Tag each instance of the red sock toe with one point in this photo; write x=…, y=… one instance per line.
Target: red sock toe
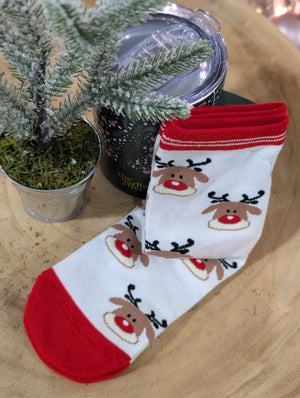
x=64, y=338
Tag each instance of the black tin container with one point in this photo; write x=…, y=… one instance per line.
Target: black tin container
x=128, y=146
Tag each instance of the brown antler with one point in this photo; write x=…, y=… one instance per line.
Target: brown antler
x=195, y=165
x=152, y=246
x=156, y=323
x=183, y=249
x=161, y=165
x=217, y=199
x=130, y=297
x=129, y=224
x=252, y=200
x=226, y=264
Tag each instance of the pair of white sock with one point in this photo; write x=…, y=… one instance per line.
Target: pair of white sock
x=92, y=314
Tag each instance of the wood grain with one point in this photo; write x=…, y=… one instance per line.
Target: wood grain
x=243, y=339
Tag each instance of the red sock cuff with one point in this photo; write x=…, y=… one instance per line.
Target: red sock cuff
x=268, y=107
x=226, y=121
x=174, y=137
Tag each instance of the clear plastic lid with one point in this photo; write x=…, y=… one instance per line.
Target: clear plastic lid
x=171, y=26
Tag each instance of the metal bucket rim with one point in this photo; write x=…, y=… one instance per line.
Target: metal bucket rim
x=45, y=191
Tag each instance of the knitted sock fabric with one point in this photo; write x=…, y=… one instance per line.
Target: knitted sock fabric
x=267, y=108
x=93, y=313
x=211, y=179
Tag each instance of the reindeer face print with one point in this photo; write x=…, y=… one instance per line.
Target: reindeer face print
x=178, y=180
x=232, y=216
x=129, y=322
x=201, y=268
x=125, y=245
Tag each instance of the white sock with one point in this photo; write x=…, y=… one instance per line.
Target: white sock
x=210, y=185
x=93, y=313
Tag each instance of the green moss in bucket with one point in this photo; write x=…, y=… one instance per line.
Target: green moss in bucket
x=69, y=160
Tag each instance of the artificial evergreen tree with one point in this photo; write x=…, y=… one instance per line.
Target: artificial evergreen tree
x=53, y=44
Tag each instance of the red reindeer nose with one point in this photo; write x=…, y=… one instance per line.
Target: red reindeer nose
x=123, y=248
x=124, y=324
x=198, y=263
x=173, y=184
x=229, y=219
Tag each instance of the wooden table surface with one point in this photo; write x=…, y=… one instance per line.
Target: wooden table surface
x=243, y=339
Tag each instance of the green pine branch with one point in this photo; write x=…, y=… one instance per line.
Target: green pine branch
x=140, y=107
x=151, y=70
x=15, y=116
x=25, y=40
x=70, y=21
x=85, y=50
x=70, y=111
x=26, y=43
x=84, y=30
x=125, y=91
x=118, y=14
x=61, y=76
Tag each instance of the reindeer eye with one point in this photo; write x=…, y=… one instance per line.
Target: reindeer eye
x=128, y=315
x=228, y=211
x=234, y=211
x=132, y=246
x=128, y=240
x=172, y=175
x=134, y=320
x=181, y=176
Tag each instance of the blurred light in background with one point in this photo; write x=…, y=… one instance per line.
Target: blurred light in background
x=285, y=14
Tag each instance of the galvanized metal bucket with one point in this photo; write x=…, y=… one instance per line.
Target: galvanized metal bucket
x=57, y=204
x=128, y=146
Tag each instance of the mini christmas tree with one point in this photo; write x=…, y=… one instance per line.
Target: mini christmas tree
x=51, y=44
